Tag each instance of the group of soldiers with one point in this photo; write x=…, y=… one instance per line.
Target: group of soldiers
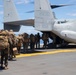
x=12, y=43
x=7, y=43
x=34, y=41
x=28, y=42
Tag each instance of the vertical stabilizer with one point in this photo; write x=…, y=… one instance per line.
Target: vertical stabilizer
x=44, y=18
x=10, y=12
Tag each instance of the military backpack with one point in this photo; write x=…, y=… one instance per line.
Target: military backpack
x=3, y=42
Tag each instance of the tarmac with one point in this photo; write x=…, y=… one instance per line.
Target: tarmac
x=44, y=62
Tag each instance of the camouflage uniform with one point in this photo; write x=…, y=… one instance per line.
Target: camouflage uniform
x=12, y=43
x=4, y=51
x=19, y=43
x=32, y=42
x=25, y=42
x=38, y=42
x=45, y=40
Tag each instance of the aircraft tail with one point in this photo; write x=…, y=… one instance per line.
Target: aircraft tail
x=10, y=12
x=10, y=15
x=44, y=18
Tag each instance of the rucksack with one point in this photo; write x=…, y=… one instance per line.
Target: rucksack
x=3, y=42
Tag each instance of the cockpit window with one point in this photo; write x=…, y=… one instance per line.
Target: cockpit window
x=60, y=22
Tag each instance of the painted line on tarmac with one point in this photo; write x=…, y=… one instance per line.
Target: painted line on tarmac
x=45, y=53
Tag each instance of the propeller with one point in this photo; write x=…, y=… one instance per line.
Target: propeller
x=30, y=11
x=62, y=5
x=32, y=2
x=52, y=6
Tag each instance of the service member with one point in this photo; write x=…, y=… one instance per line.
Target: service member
x=4, y=47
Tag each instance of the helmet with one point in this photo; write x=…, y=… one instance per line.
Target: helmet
x=11, y=32
x=4, y=33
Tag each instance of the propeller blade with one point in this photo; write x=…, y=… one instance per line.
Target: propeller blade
x=53, y=7
x=57, y=6
x=30, y=11
x=32, y=2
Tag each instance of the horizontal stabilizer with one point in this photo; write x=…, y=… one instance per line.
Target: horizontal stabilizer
x=29, y=22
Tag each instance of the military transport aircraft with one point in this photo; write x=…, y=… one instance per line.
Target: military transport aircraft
x=45, y=21
x=59, y=31
x=11, y=17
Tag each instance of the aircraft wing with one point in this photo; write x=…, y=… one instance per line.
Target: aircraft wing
x=28, y=22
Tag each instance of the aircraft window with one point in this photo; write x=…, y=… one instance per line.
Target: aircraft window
x=64, y=21
x=59, y=22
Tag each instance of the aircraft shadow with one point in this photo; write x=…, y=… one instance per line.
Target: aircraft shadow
x=31, y=51
x=50, y=46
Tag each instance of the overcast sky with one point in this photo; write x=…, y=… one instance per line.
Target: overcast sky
x=23, y=6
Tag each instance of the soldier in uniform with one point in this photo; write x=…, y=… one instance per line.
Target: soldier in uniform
x=19, y=43
x=38, y=42
x=45, y=40
x=25, y=42
x=12, y=43
x=4, y=50
x=32, y=42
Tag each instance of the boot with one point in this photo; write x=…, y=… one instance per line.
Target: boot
x=5, y=67
x=2, y=67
